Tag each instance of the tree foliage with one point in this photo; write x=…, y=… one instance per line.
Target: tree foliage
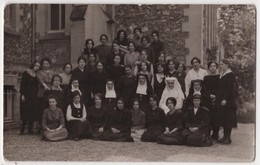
x=237, y=31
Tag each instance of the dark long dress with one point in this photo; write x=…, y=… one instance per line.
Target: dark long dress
x=126, y=88
x=158, y=87
x=201, y=120
x=226, y=115
x=154, y=123
x=173, y=120
x=77, y=128
x=210, y=85
x=181, y=79
x=103, y=52
x=115, y=72
x=29, y=87
x=98, y=82
x=84, y=85
x=97, y=118
x=120, y=120
x=157, y=48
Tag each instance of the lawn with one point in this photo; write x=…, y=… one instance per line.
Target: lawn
x=32, y=148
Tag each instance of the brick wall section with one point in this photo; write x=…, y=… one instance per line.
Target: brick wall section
x=17, y=47
x=167, y=19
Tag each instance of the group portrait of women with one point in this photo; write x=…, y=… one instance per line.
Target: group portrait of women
x=128, y=92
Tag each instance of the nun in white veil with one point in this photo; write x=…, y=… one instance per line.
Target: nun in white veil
x=172, y=89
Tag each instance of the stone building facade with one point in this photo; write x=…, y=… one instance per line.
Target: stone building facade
x=58, y=31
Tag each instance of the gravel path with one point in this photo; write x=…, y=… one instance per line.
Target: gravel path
x=32, y=148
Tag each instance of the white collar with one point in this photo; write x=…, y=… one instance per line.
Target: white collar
x=226, y=72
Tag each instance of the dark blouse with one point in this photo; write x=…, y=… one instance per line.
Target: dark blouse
x=119, y=119
x=103, y=52
x=98, y=82
x=29, y=86
x=150, y=53
x=168, y=74
x=97, y=117
x=127, y=87
x=157, y=48
x=138, y=119
x=115, y=72
x=210, y=84
x=76, y=112
x=159, y=87
x=83, y=78
x=181, y=79
x=110, y=58
x=174, y=120
x=155, y=118
x=59, y=94
x=52, y=118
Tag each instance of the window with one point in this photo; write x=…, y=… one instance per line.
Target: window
x=8, y=103
x=57, y=17
x=9, y=16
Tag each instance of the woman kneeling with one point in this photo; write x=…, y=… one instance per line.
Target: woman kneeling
x=53, y=122
x=174, y=125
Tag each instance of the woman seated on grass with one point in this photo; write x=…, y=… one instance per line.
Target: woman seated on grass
x=138, y=121
x=174, y=125
x=53, y=122
x=154, y=121
x=78, y=126
x=197, y=124
x=118, y=125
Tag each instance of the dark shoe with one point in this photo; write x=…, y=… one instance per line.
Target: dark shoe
x=227, y=141
x=222, y=140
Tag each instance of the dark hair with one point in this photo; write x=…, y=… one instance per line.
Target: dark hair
x=33, y=64
x=128, y=66
x=144, y=37
x=225, y=61
x=212, y=62
x=154, y=96
x=122, y=99
x=146, y=63
x=45, y=59
x=100, y=63
x=172, y=99
x=143, y=50
x=118, y=34
x=75, y=93
x=82, y=58
x=64, y=66
x=51, y=96
x=98, y=95
x=87, y=41
x=131, y=42
x=195, y=58
x=138, y=28
x=135, y=100
x=196, y=81
x=168, y=62
x=53, y=77
x=102, y=36
x=155, y=32
x=181, y=63
x=197, y=96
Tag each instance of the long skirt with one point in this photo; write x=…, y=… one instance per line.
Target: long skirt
x=151, y=134
x=79, y=129
x=199, y=138
x=174, y=138
x=137, y=134
x=97, y=135
x=56, y=135
x=117, y=137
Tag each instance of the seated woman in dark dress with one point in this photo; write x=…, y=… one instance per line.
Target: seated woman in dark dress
x=174, y=125
x=154, y=121
x=53, y=122
x=143, y=91
x=97, y=116
x=197, y=124
x=118, y=125
x=210, y=85
x=110, y=96
x=138, y=122
x=57, y=91
x=78, y=126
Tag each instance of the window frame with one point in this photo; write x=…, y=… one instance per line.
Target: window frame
x=60, y=18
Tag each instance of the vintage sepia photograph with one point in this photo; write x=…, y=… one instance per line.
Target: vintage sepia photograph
x=129, y=82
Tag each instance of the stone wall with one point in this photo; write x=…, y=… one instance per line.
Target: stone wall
x=17, y=46
x=167, y=19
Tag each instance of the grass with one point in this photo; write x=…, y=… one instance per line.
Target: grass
x=32, y=148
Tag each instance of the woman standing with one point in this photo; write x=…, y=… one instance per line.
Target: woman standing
x=91, y=64
x=181, y=74
x=44, y=76
x=28, y=90
x=132, y=56
x=210, y=86
x=146, y=46
x=170, y=69
x=127, y=85
x=158, y=81
x=53, y=122
x=174, y=125
x=225, y=101
x=66, y=76
x=118, y=125
x=143, y=91
x=103, y=50
x=121, y=39
x=78, y=126
x=157, y=45
x=97, y=116
x=154, y=121
x=172, y=89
